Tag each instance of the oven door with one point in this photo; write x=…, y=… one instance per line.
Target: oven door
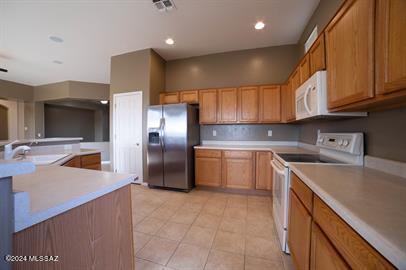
x=280, y=201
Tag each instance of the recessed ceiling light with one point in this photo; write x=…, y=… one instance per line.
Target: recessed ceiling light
x=169, y=41
x=104, y=101
x=259, y=25
x=56, y=39
x=57, y=62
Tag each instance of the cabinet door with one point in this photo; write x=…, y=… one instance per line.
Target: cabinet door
x=323, y=254
x=299, y=233
x=317, y=56
x=263, y=176
x=169, y=98
x=208, y=106
x=391, y=46
x=294, y=84
x=191, y=97
x=304, y=69
x=350, y=54
x=73, y=163
x=285, y=104
x=248, y=104
x=270, y=104
x=227, y=105
x=238, y=169
x=208, y=171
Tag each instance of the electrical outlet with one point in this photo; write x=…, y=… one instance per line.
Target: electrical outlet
x=214, y=133
x=270, y=133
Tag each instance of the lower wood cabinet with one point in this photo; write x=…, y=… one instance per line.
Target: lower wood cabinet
x=323, y=254
x=208, y=167
x=91, y=162
x=238, y=169
x=319, y=239
x=299, y=232
x=263, y=170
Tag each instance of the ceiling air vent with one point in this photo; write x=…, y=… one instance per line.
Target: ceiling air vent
x=164, y=5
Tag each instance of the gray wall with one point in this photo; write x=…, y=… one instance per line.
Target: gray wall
x=63, y=121
x=280, y=132
x=237, y=68
x=385, y=132
x=16, y=91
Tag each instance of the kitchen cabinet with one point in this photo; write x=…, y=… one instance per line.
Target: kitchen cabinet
x=238, y=169
x=391, y=46
x=248, y=110
x=289, y=100
x=318, y=238
x=190, y=96
x=169, y=98
x=304, y=69
x=208, y=167
x=323, y=254
x=208, y=106
x=270, y=104
x=350, y=54
x=263, y=172
x=91, y=162
x=299, y=232
x=317, y=56
x=227, y=109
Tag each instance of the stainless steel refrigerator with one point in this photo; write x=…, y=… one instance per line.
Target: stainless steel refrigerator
x=173, y=130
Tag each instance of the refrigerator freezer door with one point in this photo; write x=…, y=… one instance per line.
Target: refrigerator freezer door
x=175, y=145
x=155, y=154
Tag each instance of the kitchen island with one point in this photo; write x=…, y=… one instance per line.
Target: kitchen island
x=76, y=218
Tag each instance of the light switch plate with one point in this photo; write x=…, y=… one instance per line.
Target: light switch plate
x=214, y=133
x=270, y=133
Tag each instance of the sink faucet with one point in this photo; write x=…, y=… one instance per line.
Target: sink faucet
x=9, y=153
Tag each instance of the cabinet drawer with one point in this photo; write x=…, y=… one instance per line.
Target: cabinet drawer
x=90, y=160
x=208, y=153
x=238, y=154
x=352, y=247
x=302, y=191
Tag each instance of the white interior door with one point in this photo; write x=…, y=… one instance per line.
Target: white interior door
x=127, y=133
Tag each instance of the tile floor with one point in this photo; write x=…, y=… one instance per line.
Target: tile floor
x=204, y=230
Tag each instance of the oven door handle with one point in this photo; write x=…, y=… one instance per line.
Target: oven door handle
x=277, y=168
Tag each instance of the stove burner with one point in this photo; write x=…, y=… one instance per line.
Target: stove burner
x=307, y=158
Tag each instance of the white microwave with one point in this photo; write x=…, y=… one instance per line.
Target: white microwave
x=311, y=99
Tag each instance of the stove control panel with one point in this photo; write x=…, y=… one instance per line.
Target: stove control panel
x=352, y=143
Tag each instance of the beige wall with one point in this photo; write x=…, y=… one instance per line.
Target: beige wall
x=16, y=91
x=72, y=90
x=51, y=91
x=137, y=71
x=247, y=67
x=321, y=16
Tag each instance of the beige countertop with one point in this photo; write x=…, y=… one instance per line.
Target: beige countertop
x=373, y=203
x=52, y=190
x=273, y=148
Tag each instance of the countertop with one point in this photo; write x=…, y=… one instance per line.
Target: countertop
x=44, y=140
x=52, y=190
x=72, y=154
x=272, y=148
x=11, y=167
x=370, y=201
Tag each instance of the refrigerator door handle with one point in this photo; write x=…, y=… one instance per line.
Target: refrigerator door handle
x=162, y=131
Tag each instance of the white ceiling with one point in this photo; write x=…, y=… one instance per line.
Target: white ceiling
x=95, y=30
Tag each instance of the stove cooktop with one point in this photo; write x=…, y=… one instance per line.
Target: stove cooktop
x=307, y=158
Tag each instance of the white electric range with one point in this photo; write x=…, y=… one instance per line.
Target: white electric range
x=335, y=148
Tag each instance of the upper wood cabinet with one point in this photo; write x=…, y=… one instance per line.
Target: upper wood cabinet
x=263, y=172
x=248, y=111
x=350, y=53
x=317, y=56
x=169, y=98
x=269, y=104
x=208, y=106
x=238, y=169
x=208, y=167
x=190, y=96
x=304, y=69
x=323, y=254
x=293, y=84
x=227, y=110
x=391, y=46
x=299, y=232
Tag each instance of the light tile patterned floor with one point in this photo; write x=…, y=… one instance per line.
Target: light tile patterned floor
x=204, y=230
